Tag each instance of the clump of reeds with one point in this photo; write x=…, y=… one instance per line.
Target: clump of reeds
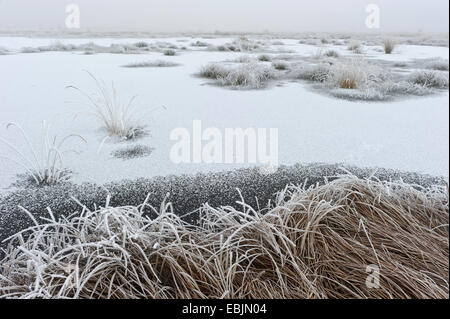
x=388, y=46
x=118, y=118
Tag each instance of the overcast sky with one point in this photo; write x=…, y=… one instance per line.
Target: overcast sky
x=228, y=15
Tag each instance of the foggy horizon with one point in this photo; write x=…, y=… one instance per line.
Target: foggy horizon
x=172, y=16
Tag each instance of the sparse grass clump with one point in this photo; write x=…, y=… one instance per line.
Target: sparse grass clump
x=430, y=78
x=29, y=50
x=199, y=44
x=213, y=71
x=151, y=64
x=118, y=118
x=405, y=88
x=246, y=76
x=115, y=48
x=354, y=45
x=355, y=74
x=243, y=59
x=280, y=65
x=264, y=58
x=388, y=46
x=400, y=64
x=141, y=44
x=318, y=242
x=241, y=44
x=332, y=54
x=316, y=73
x=357, y=79
x=347, y=76
x=46, y=166
x=169, y=52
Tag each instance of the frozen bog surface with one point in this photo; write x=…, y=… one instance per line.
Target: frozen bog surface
x=409, y=134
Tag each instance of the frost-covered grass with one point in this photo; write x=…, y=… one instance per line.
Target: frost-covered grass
x=358, y=79
x=199, y=44
x=296, y=248
x=249, y=76
x=242, y=44
x=44, y=166
x=280, y=65
x=404, y=88
x=264, y=58
x=430, y=78
x=400, y=64
x=332, y=54
x=437, y=64
x=316, y=73
x=115, y=48
x=381, y=92
x=150, y=64
x=118, y=118
x=141, y=44
x=354, y=45
x=354, y=78
x=246, y=76
x=169, y=52
x=355, y=74
x=309, y=41
x=243, y=59
x=213, y=71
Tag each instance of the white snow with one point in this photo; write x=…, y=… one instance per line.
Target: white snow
x=408, y=134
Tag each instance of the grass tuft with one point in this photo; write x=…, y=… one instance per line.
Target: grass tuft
x=47, y=166
x=264, y=58
x=280, y=65
x=169, y=52
x=388, y=46
x=118, y=119
x=438, y=65
x=430, y=78
x=332, y=54
x=354, y=46
x=246, y=76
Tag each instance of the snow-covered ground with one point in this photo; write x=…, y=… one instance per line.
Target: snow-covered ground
x=410, y=134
